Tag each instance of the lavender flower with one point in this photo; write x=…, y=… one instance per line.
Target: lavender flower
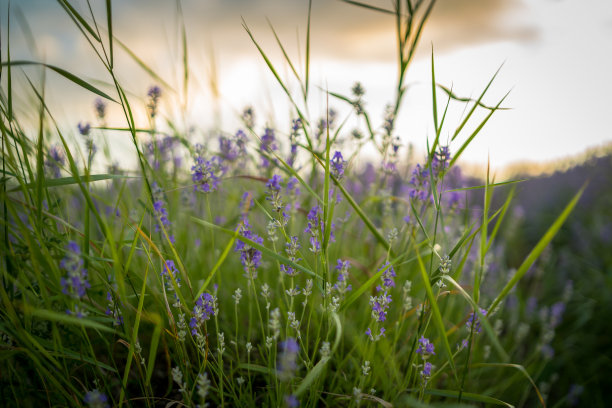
x=96, y=399
x=426, y=348
x=75, y=283
x=387, y=277
x=287, y=360
x=248, y=117
x=249, y=257
x=206, y=174
x=55, y=159
x=338, y=165
x=160, y=211
x=154, y=94
x=291, y=401
x=342, y=286
x=475, y=321
x=84, y=129
x=440, y=160
x=112, y=309
x=203, y=310
x=420, y=183
x=100, y=107
x=268, y=144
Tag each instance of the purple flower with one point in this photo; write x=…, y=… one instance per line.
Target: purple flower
x=204, y=308
x=287, y=360
x=154, y=94
x=425, y=347
x=476, y=322
x=426, y=373
x=206, y=174
x=96, y=399
x=100, y=107
x=387, y=276
x=291, y=401
x=84, y=129
x=75, y=283
x=268, y=144
x=338, y=164
x=249, y=257
x=55, y=159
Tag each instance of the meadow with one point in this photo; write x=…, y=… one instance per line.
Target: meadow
x=270, y=266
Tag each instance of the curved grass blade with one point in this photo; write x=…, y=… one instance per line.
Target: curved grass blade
x=65, y=74
x=66, y=181
x=469, y=396
x=71, y=320
x=522, y=370
x=317, y=370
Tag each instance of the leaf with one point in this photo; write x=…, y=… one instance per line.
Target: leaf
x=66, y=181
x=65, y=74
x=70, y=320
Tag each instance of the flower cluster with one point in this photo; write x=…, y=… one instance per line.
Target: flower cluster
x=440, y=160
x=154, y=94
x=268, y=144
x=342, y=286
x=425, y=350
x=295, y=132
x=231, y=149
x=249, y=257
x=112, y=309
x=206, y=174
x=420, y=183
x=160, y=211
x=75, y=283
x=338, y=165
x=205, y=307
x=160, y=151
x=474, y=321
x=100, y=107
x=291, y=248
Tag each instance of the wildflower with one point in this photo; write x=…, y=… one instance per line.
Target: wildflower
x=267, y=145
x=274, y=187
x=206, y=174
x=75, y=283
x=338, y=165
x=420, y=183
x=365, y=368
x=55, y=159
x=440, y=160
x=325, y=349
x=249, y=257
x=426, y=348
x=342, y=286
x=84, y=129
x=426, y=373
x=248, y=117
x=291, y=401
x=295, y=130
x=154, y=94
x=96, y=399
x=100, y=107
x=287, y=361
x=204, y=308
x=237, y=295
x=474, y=321
x=113, y=310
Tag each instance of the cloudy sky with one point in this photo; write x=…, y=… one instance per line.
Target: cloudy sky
x=556, y=56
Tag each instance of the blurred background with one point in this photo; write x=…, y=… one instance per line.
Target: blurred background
x=556, y=58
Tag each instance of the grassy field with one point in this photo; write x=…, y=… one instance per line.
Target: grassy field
x=274, y=267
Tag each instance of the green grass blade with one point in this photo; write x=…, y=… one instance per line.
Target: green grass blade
x=143, y=65
x=468, y=396
x=435, y=311
x=109, y=23
x=476, y=131
x=67, y=181
x=72, y=11
x=537, y=250
x=476, y=104
x=70, y=320
x=502, y=183
x=64, y=73
x=218, y=264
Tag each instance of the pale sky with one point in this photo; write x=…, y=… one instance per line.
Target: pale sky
x=557, y=57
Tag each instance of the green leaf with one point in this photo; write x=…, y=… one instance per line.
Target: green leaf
x=65, y=74
x=70, y=320
x=65, y=181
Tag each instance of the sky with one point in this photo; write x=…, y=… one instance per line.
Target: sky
x=555, y=58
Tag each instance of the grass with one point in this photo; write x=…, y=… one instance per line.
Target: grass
x=274, y=272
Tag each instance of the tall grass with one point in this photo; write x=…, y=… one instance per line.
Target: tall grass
x=271, y=269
